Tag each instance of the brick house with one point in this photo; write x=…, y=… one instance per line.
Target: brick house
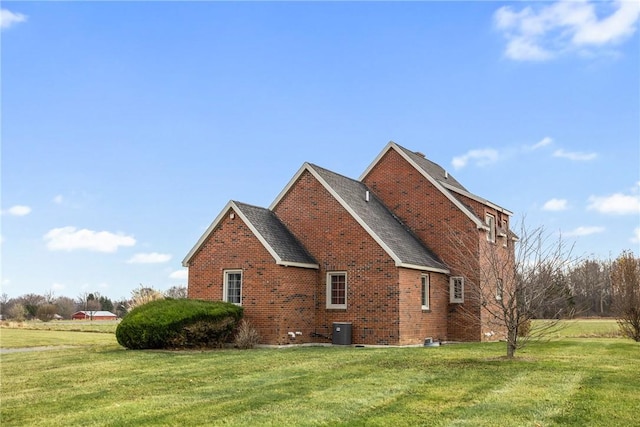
x=381, y=253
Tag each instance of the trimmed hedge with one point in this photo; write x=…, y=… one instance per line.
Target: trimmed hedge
x=178, y=323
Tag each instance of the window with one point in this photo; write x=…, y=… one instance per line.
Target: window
x=426, y=290
x=491, y=222
x=232, y=291
x=336, y=290
x=499, y=289
x=456, y=290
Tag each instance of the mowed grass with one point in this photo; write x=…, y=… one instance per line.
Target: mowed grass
x=569, y=381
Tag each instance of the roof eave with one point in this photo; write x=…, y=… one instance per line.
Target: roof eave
x=423, y=268
x=298, y=264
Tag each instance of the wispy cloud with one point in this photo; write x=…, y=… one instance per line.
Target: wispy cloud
x=636, y=236
x=8, y=18
x=576, y=156
x=542, y=143
x=17, y=210
x=482, y=157
x=584, y=231
x=58, y=199
x=544, y=32
x=615, y=204
x=182, y=274
x=70, y=238
x=149, y=258
x=554, y=205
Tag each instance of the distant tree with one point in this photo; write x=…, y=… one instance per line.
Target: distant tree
x=31, y=302
x=4, y=301
x=46, y=312
x=176, y=292
x=625, y=278
x=88, y=302
x=17, y=312
x=105, y=303
x=513, y=285
x=120, y=307
x=66, y=307
x=590, y=283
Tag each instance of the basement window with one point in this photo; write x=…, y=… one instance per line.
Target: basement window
x=456, y=290
x=337, y=290
x=232, y=290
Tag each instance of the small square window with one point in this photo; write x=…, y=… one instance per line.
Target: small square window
x=456, y=290
x=336, y=290
x=426, y=291
x=232, y=291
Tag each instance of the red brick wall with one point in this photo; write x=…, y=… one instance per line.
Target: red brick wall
x=276, y=299
x=416, y=324
x=339, y=243
x=441, y=226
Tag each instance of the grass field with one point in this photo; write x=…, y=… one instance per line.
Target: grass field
x=566, y=381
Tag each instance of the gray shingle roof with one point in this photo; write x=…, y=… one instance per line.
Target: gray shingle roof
x=276, y=234
x=380, y=221
x=433, y=169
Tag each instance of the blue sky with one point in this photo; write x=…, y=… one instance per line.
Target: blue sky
x=127, y=126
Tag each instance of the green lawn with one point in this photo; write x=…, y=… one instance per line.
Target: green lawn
x=568, y=381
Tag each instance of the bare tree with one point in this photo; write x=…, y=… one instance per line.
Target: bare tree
x=625, y=278
x=509, y=283
x=66, y=307
x=590, y=283
x=176, y=292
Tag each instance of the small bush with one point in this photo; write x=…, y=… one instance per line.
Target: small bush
x=246, y=335
x=178, y=323
x=524, y=329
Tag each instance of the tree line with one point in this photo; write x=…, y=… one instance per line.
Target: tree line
x=49, y=307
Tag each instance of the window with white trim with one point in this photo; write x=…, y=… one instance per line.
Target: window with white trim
x=337, y=290
x=232, y=290
x=456, y=290
x=499, y=289
x=491, y=222
x=426, y=291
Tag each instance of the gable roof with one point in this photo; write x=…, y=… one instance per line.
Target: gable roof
x=395, y=238
x=440, y=179
x=269, y=230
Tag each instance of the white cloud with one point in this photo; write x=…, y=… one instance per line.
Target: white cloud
x=8, y=18
x=576, y=156
x=182, y=274
x=149, y=258
x=584, y=231
x=544, y=32
x=636, y=236
x=18, y=210
x=542, y=143
x=615, y=204
x=555, y=205
x=69, y=239
x=58, y=286
x=58, y=199
x=482, y=157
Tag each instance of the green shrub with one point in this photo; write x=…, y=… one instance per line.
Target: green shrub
x=178, y=323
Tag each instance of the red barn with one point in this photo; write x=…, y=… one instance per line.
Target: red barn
x=94, y=315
